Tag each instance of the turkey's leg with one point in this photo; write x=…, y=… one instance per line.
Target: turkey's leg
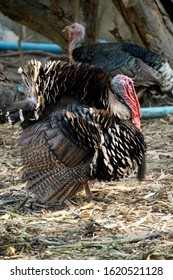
x=89, y=195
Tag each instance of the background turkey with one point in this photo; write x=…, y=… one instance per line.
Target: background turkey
x=78, y=125
x=8, y=92
x=147, y=69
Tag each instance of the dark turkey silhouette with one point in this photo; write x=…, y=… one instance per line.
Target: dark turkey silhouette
x=78, y=125
x=8, y=92
x=146, y=68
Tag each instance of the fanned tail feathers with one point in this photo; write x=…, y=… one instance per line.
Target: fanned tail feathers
x=48, y=83
x=54, y=167
x=30, y=75
x=59, y=184
x=27, y=109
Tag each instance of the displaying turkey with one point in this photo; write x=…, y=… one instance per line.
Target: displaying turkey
x=78, y=125
x=146, y=68
x=8, y=92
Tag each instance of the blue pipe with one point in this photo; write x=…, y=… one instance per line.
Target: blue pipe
x=13, y=46
x=156, y=112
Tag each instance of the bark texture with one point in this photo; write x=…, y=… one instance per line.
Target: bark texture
x=150, y=24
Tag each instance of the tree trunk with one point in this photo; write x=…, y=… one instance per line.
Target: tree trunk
x=150, y=23
x=38, y=17
x=90, y=15
x=49, y=20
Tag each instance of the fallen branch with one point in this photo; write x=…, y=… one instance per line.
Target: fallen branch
x=98, y=243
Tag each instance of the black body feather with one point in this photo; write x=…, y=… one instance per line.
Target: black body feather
x=145, y=67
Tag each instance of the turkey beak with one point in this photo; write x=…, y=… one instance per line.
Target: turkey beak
x=66, y=28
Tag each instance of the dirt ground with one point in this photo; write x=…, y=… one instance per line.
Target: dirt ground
x=132, y=220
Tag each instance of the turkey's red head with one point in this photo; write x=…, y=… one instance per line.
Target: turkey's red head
x=123, y=88
x=76, y=34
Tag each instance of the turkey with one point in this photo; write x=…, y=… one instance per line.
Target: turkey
x=78, y=125
x=146, y=68
x=8, y=92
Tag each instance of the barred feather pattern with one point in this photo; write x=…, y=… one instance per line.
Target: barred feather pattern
x=88, y=83
x=75, y=145
x=115, y=144
x=46, y=84
x=56, y=79
x=55, y=168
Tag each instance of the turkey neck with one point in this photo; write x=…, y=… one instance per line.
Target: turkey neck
x=118, y=108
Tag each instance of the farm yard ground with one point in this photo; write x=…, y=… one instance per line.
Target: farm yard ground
x=132, y=220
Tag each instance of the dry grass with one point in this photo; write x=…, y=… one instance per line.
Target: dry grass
x=132, y=220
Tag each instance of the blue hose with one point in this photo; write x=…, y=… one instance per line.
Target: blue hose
x=156, y=112
x=13, y=46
